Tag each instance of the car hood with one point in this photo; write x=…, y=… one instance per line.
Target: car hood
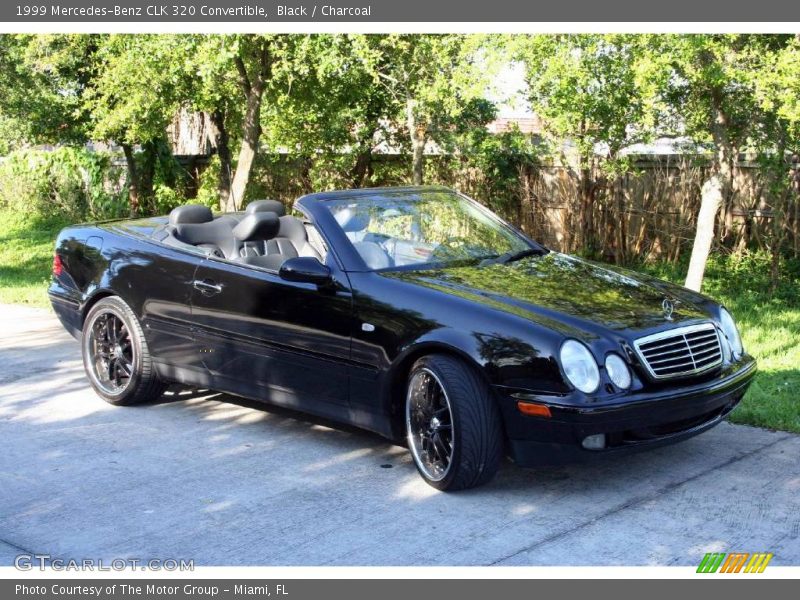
x=567, y=293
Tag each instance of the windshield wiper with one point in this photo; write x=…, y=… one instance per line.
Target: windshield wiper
x=511, y=257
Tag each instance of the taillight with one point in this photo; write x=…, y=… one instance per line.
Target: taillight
x=58, y=266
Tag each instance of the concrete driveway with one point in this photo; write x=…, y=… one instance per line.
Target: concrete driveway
x=225, y=482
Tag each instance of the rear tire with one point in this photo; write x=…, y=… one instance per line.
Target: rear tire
x=116, y=357
x=453, y=424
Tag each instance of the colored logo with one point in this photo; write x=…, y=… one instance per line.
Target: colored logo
x=734, y=562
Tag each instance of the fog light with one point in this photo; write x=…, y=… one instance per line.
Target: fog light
x=618, y=371
x=595, y=442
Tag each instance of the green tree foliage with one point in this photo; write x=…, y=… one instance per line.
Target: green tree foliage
x=42, y=78
x=586, y=90
x=332, y=113
x=133, y=93
x=315, y=106
x=429, y=80
x=706, y=85
x=232, y=78
x=725, y=93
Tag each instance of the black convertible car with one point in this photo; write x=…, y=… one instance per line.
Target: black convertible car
x=412, y=312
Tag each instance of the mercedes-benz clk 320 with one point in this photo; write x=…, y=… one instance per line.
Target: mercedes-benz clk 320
x=412, y=312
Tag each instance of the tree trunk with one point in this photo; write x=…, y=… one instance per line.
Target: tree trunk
x=248, y=151
x=221, y=142
x=147, y=175
x=362, y=170
x=416, y=133
x=306, y=162
x=133, y=179
x=365, y=141
x=715, y=189
x=586, y=185
x=253, y=89
x=710, y=202
x=621, y=230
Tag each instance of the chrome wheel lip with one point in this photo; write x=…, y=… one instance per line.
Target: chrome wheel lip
x=92, y=360
x=411, y=438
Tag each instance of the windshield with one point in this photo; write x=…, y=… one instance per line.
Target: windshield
x=415, y=229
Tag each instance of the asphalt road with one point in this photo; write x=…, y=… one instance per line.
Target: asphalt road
x=225, y=482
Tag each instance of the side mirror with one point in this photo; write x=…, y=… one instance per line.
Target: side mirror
x=305, y=269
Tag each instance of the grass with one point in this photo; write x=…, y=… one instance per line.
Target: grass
x=769, y=319
x=26, y=257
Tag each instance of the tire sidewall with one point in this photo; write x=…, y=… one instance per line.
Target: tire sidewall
x=429, y=364
x=121, y=311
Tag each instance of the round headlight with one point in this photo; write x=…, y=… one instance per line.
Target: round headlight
x=731, y=332
x=618, y=371
x=579, y=366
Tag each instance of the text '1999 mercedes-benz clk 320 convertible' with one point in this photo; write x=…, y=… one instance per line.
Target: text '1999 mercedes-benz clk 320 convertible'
x=412, y=312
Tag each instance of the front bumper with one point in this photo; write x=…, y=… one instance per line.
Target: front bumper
x=633, y=422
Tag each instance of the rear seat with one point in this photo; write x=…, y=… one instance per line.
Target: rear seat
x=190, y=213
x=253, y=231
x=266, y=206
x=215, y=236
x=195, y=224
x=223, y=237
x=259, y=237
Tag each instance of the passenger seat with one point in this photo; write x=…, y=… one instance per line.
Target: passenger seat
x=260, y=206
x=291, y=241
x=225, y=239
x=254, y=230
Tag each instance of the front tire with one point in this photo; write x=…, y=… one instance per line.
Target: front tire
x=452, y=424
x=116, y=356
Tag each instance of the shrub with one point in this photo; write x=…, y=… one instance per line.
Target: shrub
x=70, y=183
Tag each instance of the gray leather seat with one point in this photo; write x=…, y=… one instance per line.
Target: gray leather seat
x=291, y=240
x=373, y=255
x=255, y=229
x=215, y=236
x=266, y=206
x=190, y=213
x=224, y=238
x=355, y=223
x=259, y=236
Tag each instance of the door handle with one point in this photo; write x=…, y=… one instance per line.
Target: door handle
x=206, y=287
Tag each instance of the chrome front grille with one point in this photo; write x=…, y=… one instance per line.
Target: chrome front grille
x=680, y=352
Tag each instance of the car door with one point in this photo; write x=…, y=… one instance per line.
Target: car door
x=156, y=280
x=264, y=337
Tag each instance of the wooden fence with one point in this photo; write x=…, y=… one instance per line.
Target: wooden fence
x=649, y=213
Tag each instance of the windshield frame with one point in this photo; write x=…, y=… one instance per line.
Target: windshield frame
x=326, y=218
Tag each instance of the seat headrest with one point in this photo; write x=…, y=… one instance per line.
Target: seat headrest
x=351, y=220
x=374, y=256
x=213, y=232
x=257, y=226
x=257, y=206
x=293, y=228
x=190, y=213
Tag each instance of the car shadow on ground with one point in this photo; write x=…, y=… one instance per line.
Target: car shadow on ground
x=181, y=393
x=213, y=475
x=344, y=439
